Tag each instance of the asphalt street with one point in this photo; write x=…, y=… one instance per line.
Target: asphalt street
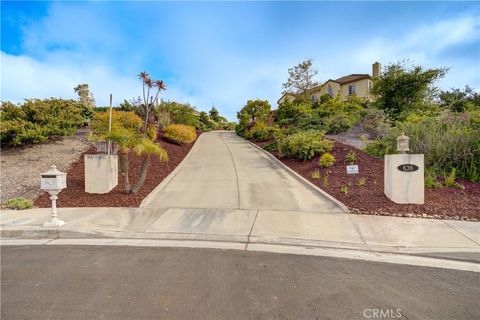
x=93, y=282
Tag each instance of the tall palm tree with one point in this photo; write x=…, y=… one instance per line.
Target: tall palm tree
x=148, y=101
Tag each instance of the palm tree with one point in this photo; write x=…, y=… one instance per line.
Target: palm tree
x=125, y=139
x=148, y=101
x=147, y=147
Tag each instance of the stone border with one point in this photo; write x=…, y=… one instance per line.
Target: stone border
x=301, y=179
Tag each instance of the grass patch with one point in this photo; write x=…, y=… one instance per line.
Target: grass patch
x=17, y=204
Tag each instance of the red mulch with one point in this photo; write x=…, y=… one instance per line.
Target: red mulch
x=370, y=199
x=75, y=196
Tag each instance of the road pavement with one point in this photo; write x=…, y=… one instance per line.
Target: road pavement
x=78, y=282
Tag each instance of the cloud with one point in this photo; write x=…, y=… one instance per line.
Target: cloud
x=429, y=45
x=426, y=41
x=219, y=54
x=24, y=77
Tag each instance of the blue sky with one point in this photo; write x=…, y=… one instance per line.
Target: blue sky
x=224, y=53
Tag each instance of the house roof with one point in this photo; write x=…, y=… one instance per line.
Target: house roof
x=352, y=77
x=284, y=95
x=343, y=80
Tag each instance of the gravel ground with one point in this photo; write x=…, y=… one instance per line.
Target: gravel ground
x=21, y=166
x=350, y=139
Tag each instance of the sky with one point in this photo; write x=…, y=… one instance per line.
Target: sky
x=224, y=53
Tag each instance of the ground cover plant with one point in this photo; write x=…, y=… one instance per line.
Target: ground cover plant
x=17, y=204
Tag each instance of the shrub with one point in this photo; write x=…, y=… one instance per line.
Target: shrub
x=450, y=179
x=338, y=123
x=316, y=174
x=260, y=132
x=180, y=134
x=35, y=120
x=304, y=145
x=17, y=204
x=271, y=146
x=120, y=119
x=351, y=157
x=375, y=124
x=379, y=148
x=361, y=182
x=325, y=179
x=447, y=141
x=326, y=160
x=431, y=181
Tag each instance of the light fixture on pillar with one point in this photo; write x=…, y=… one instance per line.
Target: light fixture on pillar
x=403, y=143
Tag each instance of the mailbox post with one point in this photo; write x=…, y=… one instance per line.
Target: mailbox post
x=53, y=181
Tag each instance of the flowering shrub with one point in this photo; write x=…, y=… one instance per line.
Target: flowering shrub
x=180, y=133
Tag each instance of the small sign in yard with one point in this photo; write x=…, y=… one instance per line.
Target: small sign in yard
x=353, y=169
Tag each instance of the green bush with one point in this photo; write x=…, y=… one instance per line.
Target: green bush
x=180, y=134
x=380, y=147
x=260, y=132
x=447, y=141
x=338, y=123
x=304, y=145
x=17, y=204
x=120, y=119
x=35, y=120
x=326, y=160
x=271, y=146
x=351, y=157
x=450, y=179
x=431, y=180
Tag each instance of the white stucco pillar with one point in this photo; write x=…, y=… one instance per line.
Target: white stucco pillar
x=404, y=178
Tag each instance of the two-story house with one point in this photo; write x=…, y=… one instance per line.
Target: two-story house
x=344, y=87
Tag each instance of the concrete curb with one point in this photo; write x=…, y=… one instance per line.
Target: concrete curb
x=304, y=181
x=35, y=233
x=172, y=174
x=323, y=251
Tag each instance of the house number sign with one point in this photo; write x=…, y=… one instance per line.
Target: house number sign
x=407, y=167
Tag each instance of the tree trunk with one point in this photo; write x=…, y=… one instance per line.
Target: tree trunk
x=143, y=174
x=124, y=163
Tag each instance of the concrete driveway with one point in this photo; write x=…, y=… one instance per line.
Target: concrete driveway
x=224, y=171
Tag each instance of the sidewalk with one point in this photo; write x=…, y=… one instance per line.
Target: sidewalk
x=256, y=230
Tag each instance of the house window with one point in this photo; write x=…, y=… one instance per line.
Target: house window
x=314, y=98
x=369, y=85
x=351, y=89
x=330, y=91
